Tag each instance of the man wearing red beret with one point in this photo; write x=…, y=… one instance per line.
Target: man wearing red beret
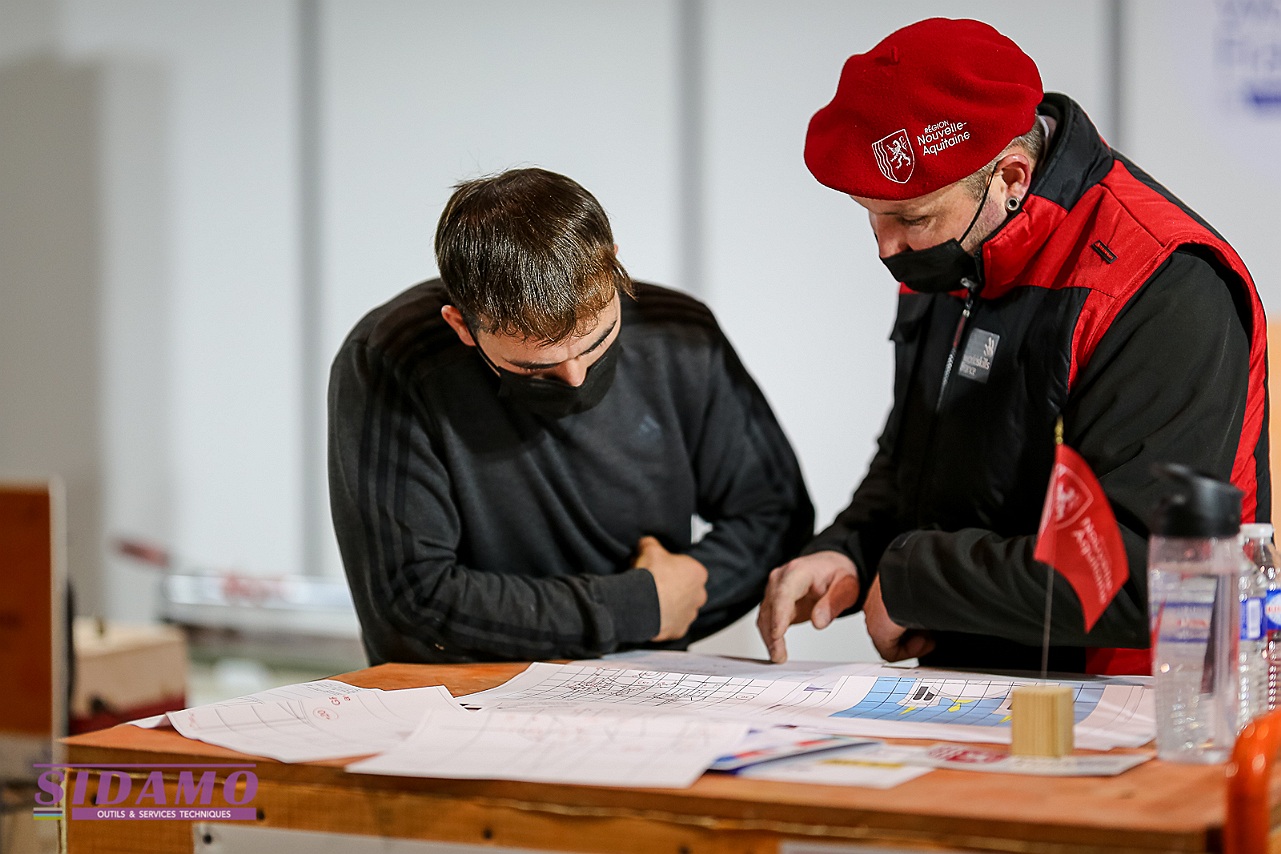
x=1042, y=276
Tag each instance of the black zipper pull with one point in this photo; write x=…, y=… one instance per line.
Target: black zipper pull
x=970, y=287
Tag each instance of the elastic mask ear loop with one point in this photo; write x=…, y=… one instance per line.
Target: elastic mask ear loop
x=484, y=357
x=979, y=209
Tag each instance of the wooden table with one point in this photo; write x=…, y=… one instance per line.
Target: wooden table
x=1154, y=807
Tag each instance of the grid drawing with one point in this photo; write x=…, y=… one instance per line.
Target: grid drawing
x=637, y=688
x=955, y=701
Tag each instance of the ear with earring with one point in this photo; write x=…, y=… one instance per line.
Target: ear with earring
x=1012, y=204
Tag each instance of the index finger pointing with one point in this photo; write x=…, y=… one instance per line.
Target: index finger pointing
x=778, y=610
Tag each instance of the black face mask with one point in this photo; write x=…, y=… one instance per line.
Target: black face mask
x=553, y=398
x=936, y=270
x=941, y=268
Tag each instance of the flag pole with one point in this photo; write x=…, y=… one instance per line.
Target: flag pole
x=1049, y=573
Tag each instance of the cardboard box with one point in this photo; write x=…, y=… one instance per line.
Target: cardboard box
x=125, y=672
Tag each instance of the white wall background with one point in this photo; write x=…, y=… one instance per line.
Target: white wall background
x=242, y=228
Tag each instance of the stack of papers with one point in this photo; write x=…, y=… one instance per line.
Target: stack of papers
x=300, y=691
x=358, y=722
x=872, y=701
x=597, y=747
x=624, y=722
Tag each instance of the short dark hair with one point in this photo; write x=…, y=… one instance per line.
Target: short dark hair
x=528, y=252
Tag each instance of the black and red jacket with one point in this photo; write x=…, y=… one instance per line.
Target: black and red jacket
x=1108, y=302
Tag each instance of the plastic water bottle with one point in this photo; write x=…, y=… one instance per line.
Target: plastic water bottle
x=1272, y=620
x=1252, y=652
x=1194, y=566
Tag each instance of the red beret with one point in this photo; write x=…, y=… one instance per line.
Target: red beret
x=931, y=104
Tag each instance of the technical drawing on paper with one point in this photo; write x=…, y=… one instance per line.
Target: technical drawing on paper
x=601, y=747
x=970, y=701
x=560, y=687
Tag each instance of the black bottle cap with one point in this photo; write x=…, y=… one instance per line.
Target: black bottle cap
x=1194, y=505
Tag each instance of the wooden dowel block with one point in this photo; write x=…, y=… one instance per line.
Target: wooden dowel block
x=1041, y=720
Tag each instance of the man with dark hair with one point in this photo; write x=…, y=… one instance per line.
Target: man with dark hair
x=1042, y=276
x=520, y=452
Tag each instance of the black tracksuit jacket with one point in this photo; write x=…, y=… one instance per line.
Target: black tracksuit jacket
x=472, y=529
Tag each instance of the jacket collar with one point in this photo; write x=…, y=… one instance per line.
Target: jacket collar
x=1077, y=160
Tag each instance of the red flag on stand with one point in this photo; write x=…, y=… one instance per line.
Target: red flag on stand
x=1079, y=536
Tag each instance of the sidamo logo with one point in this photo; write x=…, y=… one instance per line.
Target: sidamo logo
x=139, y=792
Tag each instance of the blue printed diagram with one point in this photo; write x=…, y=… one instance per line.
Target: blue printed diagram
x=954, y=701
